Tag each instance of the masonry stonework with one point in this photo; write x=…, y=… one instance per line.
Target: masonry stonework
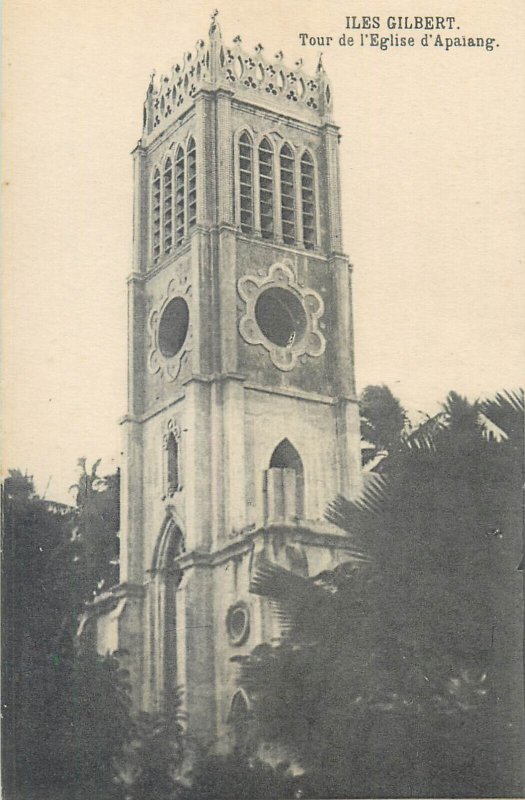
x=242, y=420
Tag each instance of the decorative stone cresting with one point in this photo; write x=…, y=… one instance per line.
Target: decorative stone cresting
x=248, y=75
x=281, y=275
x=169, y=367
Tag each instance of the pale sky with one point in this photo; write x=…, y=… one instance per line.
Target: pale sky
x=433, y=184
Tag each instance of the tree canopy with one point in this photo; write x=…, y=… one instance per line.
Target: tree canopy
x=401, y=674
x=55, y=557
x=397, y=674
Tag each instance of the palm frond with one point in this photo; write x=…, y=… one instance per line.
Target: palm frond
x=283, y=616
x=489, y=430
x=459, y=408
x=353, y=515
x=271, y=580
x=424, y=436
x=502, y=417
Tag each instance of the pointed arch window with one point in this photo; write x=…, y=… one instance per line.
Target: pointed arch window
x=168, y=206
x=287, y=195
x=240, y=722
x=172, y=470
x=172, y=464
x=155, y=215
x=266, y=188
x=285, y=484
x=308, y=200
x=285, y=456
x=192, y=184
x=179, y=196
x=246, y=183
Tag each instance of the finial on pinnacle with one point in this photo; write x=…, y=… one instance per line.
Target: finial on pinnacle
x=320, y=67
x=214, y=27
x=259, y=48
x=215, y=31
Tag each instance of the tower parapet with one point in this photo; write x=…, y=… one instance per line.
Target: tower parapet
x=248, y=76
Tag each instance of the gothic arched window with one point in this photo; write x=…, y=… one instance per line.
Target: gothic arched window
x=285, y=483
x=172, y=464
x=240, y=722
x=192, y=184
x=167, y=222
x=308, y=200
x=155, y=215
x=179, y=197
x=266, y=188
x=287, y=195
x=285, y=456
x=246, y=183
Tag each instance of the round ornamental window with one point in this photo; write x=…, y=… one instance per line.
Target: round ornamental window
x=173, y=327
x=238, y=623
x=281, y=316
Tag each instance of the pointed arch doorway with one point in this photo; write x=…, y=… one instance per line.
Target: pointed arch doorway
x=166, y=577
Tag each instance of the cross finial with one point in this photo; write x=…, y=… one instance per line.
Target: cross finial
x=214, y=15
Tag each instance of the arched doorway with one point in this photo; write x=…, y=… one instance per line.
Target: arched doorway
x=166, y=576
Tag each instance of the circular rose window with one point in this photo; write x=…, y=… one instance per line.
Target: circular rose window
x=238, y=623
x=281, y=316
x=173, y=327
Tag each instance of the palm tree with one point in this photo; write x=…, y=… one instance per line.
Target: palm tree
x=407, y=644
x=383, y=422
x=442, y=527
x=96, y=541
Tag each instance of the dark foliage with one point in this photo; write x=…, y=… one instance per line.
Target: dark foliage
x=96, y=544
x=383, y=421
x=60, y=710
x=402, y=678
x=150, y=763
x=238, y=777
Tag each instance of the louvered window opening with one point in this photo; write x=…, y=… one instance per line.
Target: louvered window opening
x=192, y=185
x=266, y=188
x=156, y=215
x=246, y=184
x=308, y=201
x=168, y=206
x=287, y=196
x=179, y=197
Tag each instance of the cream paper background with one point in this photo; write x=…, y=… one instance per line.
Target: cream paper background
x=433, y=190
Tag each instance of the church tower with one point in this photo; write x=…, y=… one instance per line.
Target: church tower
x=242, y=422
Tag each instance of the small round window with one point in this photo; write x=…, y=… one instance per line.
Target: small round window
x=173, y=327
x=281, y=316
x=238, y=623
